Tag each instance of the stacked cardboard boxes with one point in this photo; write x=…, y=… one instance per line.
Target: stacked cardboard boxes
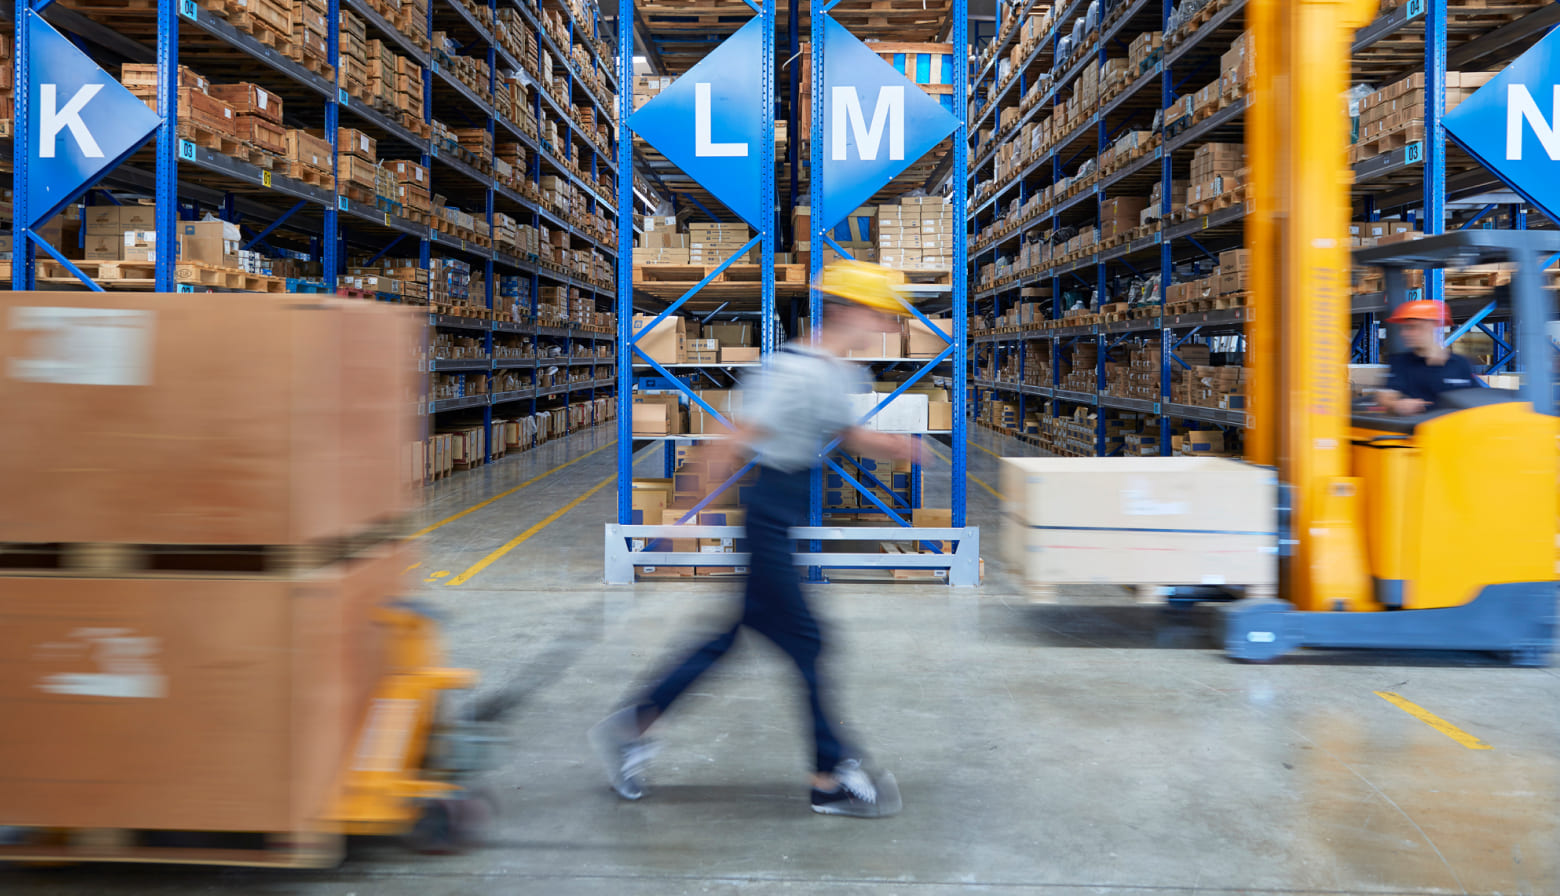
x=916, y=234
x=714, y=243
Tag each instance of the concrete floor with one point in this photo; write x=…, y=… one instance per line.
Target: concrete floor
x=1091, y=747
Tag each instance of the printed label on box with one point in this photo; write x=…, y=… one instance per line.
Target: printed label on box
x=126, y=663
x=83, y=346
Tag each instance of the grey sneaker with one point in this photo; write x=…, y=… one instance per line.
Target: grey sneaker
x=858, y=793
x=625, y=754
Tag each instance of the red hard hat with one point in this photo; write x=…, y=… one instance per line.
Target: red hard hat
x=1422, y=309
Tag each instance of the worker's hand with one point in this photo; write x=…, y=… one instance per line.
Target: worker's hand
x=1408, y=407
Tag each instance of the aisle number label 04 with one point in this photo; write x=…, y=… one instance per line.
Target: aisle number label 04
x=190, y=10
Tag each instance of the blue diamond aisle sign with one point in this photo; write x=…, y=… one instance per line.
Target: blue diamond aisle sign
x=876, y=123
x=710, y=122
x=1512, y=125
x=80, y=121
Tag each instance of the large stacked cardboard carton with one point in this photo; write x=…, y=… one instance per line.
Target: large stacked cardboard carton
x=196, y=641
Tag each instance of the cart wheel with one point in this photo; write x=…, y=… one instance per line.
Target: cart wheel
x=450, y=825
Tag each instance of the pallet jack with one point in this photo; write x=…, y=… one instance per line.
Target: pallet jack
x=1393, y=542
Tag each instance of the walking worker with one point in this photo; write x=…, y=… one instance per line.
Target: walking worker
x=1428, y=368
x=792, y=409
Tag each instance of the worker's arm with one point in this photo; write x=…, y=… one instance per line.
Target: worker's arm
x=860, y=440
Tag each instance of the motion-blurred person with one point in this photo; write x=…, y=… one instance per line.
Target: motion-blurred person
x=794, y=407
x=1428, y=368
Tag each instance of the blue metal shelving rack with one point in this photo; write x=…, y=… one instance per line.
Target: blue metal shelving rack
x=185, y=179
x=1420, y=26
x=963, y=564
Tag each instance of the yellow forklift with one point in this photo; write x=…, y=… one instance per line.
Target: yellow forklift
x=1434, y=532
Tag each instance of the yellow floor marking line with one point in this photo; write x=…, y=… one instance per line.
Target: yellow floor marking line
x=520, y=539
x=968, y=475
x=412, y=567
x=504, y=494
x=437, y=576
x=984, y=448
x=1434, y=721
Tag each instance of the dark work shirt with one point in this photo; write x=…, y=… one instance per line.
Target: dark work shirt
x=1412, y=376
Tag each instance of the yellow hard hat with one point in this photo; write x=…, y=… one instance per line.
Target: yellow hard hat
x=871, y=285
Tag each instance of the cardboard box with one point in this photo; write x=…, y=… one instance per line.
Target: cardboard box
x=738, y=355
x=921, y=342
x=732, y=334
x=1140, y=520
x=906, y=413
x=141, y=420
x=883, y=345
x=104, y=247
x=656, y=415
x=649, y=498
x=209, y=242
x=939, y=416
x=666, y=344
x=224, y=703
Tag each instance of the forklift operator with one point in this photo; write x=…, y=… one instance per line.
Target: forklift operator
x=1428, y=368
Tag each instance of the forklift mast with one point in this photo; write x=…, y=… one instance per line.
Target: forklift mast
x=1297, y=335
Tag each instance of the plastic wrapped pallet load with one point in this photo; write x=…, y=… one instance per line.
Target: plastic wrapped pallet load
x=1145, y=521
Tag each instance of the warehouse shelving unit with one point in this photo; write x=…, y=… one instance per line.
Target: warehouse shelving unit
x=315, y=218
x=1411, y=181
x=673, y=40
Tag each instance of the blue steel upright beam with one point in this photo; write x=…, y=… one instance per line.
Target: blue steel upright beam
x=167, y=166
x=331, y=260
x=769, y=13
x=961, y=187
x=625, y=285
x=21, y=135
x=815, y=238
x=1435, y=136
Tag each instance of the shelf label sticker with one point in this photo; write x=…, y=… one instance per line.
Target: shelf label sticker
x=184, y=287
x=83, y=346
x=387, y=219
x=343, y=97
x=342, y=204
x=190, y=10
x=1413, y=153
x=265, y=178
x=1416, y=8
x=187, y=150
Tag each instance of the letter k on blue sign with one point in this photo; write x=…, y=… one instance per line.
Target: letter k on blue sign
x=80, y=121
x=876, y=123
x=710, y=121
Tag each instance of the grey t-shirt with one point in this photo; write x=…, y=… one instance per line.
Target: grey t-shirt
x=798, y=403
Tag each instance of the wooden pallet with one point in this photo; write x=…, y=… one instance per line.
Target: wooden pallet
x=215, y=277
x=307, y=174
x=122, y=560
x=1389, y=141
x=284, y=849
x=226, y=144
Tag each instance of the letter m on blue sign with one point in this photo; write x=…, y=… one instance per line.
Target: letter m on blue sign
x=876, y=123
x=80, y=122
x=1512, y=125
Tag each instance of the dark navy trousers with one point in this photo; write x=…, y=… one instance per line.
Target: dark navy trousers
x=772, y=605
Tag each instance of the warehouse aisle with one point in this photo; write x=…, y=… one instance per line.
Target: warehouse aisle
x=1092, y=747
